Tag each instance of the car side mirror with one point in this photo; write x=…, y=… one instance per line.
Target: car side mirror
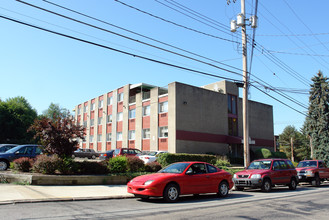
x=189, y=172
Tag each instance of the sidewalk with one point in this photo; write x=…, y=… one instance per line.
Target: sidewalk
x=11, y=193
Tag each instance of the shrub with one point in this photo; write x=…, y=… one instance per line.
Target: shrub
x=279, y=155
x=46, y=164
x=23, y=164
x=222, y=163
x=135, y=164
x=118, y=164
x=167, y=158
x=152, y=167
x=67, y=166
x=92, y=168
x=263, y=153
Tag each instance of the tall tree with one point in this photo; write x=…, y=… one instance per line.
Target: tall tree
x=54, y=111
x=16, y=116
x=318, y=117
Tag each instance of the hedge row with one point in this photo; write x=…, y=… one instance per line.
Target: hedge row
x=55, y=165
x=264, y=153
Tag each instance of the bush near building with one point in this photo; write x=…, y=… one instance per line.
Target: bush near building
x=264, y=153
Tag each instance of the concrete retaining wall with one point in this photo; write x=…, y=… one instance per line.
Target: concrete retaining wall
x=63, y=180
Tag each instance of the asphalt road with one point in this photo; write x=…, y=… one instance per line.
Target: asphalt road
x=304, y=203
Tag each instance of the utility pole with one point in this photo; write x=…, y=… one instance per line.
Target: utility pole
x=292, y=149
x=245, y=89
x=240, y=22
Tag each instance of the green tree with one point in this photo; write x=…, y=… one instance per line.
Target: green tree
x=16, y=116
x=301, y=146
x=58, y=136
x=54, y=111
x=318, y=117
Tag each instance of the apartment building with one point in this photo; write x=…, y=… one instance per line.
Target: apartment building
x=179, y=119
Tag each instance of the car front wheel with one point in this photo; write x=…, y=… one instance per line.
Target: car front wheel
x=3, y=165
x=171, y=193
x=223, y=189
x=316, y=181
x=267, y=186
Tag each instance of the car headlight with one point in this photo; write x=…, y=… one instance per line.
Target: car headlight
x=148, y=182
x=234, y=176
x=255, y=176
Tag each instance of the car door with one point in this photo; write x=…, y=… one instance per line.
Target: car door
x=323, y=170
x=285, y=175
x=27, y=151
x=276, y=172
x=196, y=179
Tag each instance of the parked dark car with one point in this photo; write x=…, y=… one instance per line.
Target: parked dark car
x=129, y=152
x=27, y=150
x=266, y=173
x=82, y=153
x=107, y=155
x=5, y=147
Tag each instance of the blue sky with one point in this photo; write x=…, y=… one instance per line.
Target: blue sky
x=291, y=47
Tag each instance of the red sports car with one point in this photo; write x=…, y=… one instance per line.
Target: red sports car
x=181, y=179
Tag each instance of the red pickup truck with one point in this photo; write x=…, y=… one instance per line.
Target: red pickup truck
x=312, y=171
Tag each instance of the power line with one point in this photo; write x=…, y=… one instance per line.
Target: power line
x=129, y=38
x=161, y=42
x=176, y=24
x=291, y=35
x=116, y=50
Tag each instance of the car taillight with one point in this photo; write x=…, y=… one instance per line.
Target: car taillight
x=105, y=155
x=147, y=158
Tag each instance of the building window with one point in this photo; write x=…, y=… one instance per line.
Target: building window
x=100, y=120
x=85, y=108
x=109, y=100
x=119, y=136
x=232, y=126
x=100, y=104
x=79, y=111
x=146, y=133
x=92, y=106
x=84, y=124
x=91, y=138
x=163, y=107
x=132, y=113
x=109, y=137
x=146, y=110
x=131, y=135
x=232, y=104
x=109, y=119
x=163, y=132
x=91, y=122
x=120, y=97
x=120, y=116
x=99, y=138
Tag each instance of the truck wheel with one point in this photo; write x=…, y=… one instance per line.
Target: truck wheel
x=293, y=184
x=93, y=157
x=316, y=181
x=267, y=185
x=3, y=165
x=171, y=193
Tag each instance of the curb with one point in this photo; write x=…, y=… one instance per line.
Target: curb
x=65, y=199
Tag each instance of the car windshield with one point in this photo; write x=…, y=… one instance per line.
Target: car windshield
x=307, y=164
x=175, y=168
x=262, y=164
x=152, y=153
